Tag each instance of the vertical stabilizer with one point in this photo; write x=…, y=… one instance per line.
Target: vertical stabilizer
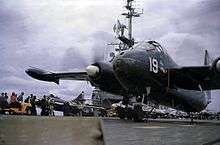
x=80, y=99
x=206, y=58
x=208, y=61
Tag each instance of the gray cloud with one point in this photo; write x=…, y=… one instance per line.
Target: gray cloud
x=195, y=28
x=94, y=51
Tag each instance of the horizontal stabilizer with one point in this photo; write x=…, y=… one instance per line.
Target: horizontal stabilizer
x=48, y=76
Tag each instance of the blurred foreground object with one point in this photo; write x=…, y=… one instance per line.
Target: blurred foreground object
x=33, y=130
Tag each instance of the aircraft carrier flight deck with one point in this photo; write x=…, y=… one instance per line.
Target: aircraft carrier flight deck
x=79, y=131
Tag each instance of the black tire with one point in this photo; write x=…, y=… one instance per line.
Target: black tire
x=138, y=113
x=121, y=112
x=130, y=113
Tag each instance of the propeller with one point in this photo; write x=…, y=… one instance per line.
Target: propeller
x=83, y=58
x=92, y=71
x=74, y=58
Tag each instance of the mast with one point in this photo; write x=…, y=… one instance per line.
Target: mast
x=129, y=15
x=129, y=8
x=128, y=41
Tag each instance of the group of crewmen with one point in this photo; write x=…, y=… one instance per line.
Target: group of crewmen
x=15, y=101
x=47, y=106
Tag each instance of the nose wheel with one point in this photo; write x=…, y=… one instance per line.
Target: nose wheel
x=130, y=112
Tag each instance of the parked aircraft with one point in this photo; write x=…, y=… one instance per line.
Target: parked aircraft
x=146, y=71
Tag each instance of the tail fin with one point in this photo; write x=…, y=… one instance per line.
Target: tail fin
x=80, y=99
x=207, y=61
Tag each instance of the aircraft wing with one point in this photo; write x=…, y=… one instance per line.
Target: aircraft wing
x=43, y=75
x=191, y=77
x=81, y=76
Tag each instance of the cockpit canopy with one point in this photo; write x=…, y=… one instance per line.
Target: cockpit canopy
x=150, y=46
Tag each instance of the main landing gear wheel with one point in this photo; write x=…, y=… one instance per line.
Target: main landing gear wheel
x=121, y=112
x=138, y=113
x=125, y=113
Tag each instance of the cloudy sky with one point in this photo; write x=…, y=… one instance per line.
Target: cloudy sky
x=66, y=35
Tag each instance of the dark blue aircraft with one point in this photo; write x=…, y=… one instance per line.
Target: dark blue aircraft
x=147, y=70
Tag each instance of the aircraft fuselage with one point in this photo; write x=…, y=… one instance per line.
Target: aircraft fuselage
x=147, y=67
x=146, y=70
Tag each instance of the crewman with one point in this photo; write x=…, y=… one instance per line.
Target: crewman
x=21, y=97
x=51, y=107
x=31, y=96
x=66, y=109
x=13, y=97
x=43, y=105
x=27, y=100
x=3, y=101
x=13, y=101
x=6, y=96
x=2, y=95
x=33, y=105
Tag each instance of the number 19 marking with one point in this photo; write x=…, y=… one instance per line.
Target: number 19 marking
x=153, y=65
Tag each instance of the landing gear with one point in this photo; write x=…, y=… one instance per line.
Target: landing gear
x=191, y=117
x=124, y=112
x=121, y=112
x=133, y=111
x=127, y=113
x=138, y=113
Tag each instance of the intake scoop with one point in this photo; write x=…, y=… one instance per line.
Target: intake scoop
x=92, y=71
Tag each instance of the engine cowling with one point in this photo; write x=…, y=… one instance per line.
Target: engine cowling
x=102, y=75
x=216, y=65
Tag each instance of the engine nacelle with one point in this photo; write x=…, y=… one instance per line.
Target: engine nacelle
x=216, y=65
x=102, y=75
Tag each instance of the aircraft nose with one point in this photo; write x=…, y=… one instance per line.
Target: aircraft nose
x=125, y=66
x=118, y=64
x=130, y=72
